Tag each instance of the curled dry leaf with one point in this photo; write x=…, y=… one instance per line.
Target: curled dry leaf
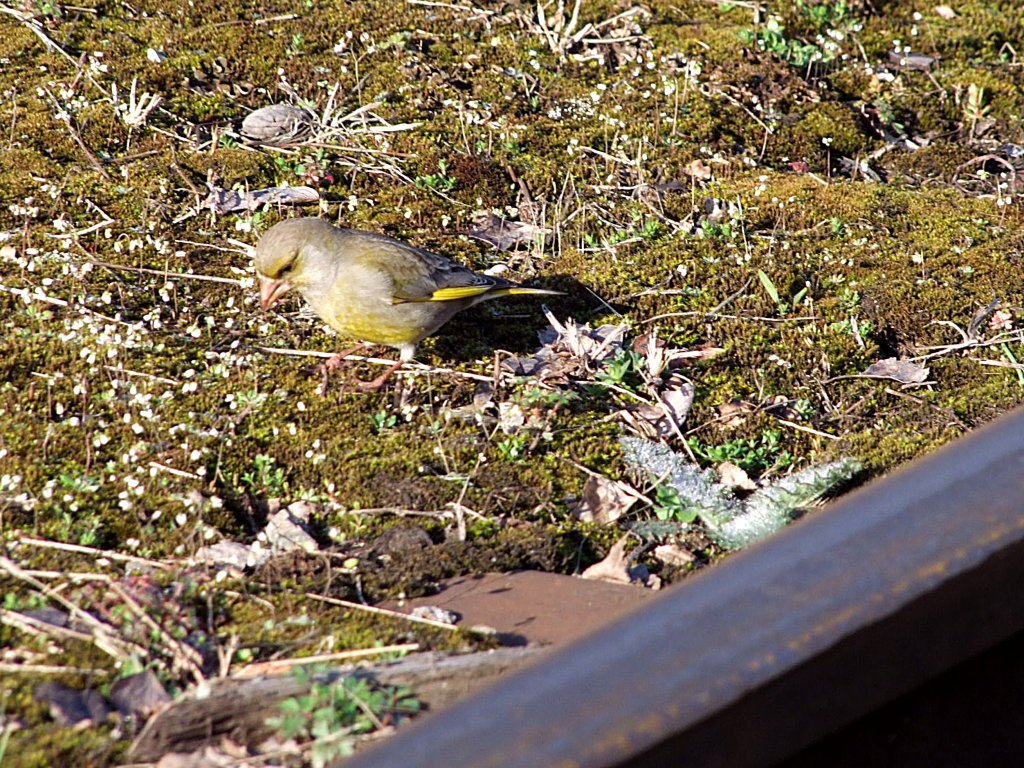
x=734, y=476
x=569, y=351
x=229, y=200
x=504, y=234
x=666, y=417
x=660, y=357
x=278, y=125
x=903, y=371
x=945, y=12
x=287, y=530
x=604, y=501
x=511, y=418
x=614, y=567
x=227, y=554
x=70, y=707
x=733, y=413
x=139, y=695
x=698, y=170
x=673, y=554
x=436, y=613
x=917, y=61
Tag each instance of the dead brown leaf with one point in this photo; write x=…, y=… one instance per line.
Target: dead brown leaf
x=733, y=413
x=697, y=169
x=604, y=501
x=734, y=476
x=903, y=371
x=673, y=554
x=229, y=200
x=504, y=234
x=614, y=567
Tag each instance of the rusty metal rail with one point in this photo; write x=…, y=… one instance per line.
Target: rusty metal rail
x=774, y=649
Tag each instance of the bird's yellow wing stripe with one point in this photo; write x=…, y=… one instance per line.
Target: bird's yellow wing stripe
x=445, y=294
x=461, y=292
x=469, y=291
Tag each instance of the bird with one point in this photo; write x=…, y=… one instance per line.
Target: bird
x=369, y=287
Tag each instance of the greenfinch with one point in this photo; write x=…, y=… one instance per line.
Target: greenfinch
x=369, y=287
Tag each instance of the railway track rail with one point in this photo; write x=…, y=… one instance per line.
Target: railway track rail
x=883, y=630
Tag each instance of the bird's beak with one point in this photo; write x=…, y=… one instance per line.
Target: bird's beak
x=272, y=290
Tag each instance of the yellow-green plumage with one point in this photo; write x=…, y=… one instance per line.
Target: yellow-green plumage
x=370, y=287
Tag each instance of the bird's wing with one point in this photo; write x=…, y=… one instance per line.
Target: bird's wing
x=420, y=275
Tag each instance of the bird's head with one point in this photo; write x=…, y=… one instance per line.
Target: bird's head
x=284, y=257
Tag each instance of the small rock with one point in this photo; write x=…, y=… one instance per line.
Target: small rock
x=138, y=695
x=435, y=613
x=278, y=125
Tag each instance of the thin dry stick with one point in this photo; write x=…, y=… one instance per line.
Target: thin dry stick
x=380, y=611
x=466, y=8
x=101, y=636
x=176, y=275
x=416, y=368
x=188, y=658
x=33, y=626
x=142, y=374
x=175, y=471
x=50, y=669
x=809, y=430
x=283, y=665
x=45, y=544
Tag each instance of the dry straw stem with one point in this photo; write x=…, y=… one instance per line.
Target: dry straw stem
x=379, y=611
x=279, y=666
x=97, y=553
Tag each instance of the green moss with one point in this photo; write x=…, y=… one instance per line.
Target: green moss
x=132, y=401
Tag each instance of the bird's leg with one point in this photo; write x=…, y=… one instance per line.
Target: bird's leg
x=332, y=364
x=378, y=383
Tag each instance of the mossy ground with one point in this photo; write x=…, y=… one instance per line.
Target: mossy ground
x=139, y=414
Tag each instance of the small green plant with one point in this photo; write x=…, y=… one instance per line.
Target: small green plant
x=30, y=602
x=327, y=719
x=772, y=37
x=437, y=182
x=668, y=505
x=754, y=456
x=295, y=46
x=312, y=168
x=382, y=421
x=825, y=15
x=512, y=448
x=623, y=370
x=849, y=303
x=397, y=40
x=265, y=479
x=781, y=306
x=720, y=231
x=548, y=398
x=648, y=230
x=887, y=115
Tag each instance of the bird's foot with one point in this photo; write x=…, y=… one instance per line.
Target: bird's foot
x=377, y=384
x=333, y=364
